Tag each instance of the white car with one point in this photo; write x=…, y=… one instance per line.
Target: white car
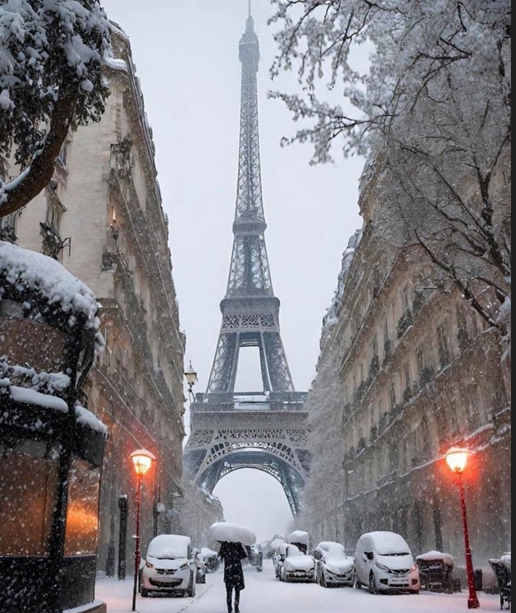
x=280, y=555
x=384, y=563
x=297, y=567
x=170, y=567
x=333, y=566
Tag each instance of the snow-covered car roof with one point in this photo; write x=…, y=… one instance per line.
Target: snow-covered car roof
x=299, y=537
x=169, y=547
x=388, y=543
x=335, y=550
x=232, y=533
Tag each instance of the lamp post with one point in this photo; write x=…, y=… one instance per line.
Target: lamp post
x=142, y=460
x=457, y=460
x=191, y=379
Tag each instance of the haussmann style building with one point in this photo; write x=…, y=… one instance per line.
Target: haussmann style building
x=102, y=218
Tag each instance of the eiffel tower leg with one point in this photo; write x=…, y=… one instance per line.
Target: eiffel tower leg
x=281, y=378
x=223, y=374
x=265, y=370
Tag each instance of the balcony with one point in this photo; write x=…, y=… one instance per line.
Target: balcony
x=8, y=234
x=53, y=244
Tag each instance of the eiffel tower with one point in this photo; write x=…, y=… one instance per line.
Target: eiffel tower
x=262, y=430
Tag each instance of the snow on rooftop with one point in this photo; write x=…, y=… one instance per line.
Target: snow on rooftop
x=27, y=269
x=232, y=533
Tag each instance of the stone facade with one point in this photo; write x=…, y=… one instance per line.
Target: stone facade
x=406, y=372
x=102, y=217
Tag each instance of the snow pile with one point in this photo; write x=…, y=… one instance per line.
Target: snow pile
x=45, y=383
x=507, y=560
x=231, y=533
x=347, y=260
x=276, y=544
x=433, y=556
x=33, y=272
x=299, y=537
x=28, y=396
x=88, y=419
x=169, y=547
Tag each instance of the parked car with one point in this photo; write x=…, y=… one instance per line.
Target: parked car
x=256, y=558
x=200, y=564
x=297, y=567
x=170, y=567
x=280, y=555
x=211, y=560
x=300, y=539
x=384, y=563
x=333, y=566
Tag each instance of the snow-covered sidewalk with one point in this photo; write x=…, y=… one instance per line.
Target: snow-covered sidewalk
x=266, y=595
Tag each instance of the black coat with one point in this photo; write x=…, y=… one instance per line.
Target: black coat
x=233, y=554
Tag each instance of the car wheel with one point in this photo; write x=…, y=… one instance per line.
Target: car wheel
x=356, y=582
x=323, y=582
x=192, y=589
x=372, y=584
x=144, y=592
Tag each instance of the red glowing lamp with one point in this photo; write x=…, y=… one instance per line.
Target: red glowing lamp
x=457, y=459
x=142, y=460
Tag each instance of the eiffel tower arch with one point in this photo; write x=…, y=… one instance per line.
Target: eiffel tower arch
x=263, y=430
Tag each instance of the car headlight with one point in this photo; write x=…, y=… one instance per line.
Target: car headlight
x=384, y=568
x=185, y=566
x=414, y=568
x=148, y=565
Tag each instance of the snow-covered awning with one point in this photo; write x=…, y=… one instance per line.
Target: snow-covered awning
x=40, y=283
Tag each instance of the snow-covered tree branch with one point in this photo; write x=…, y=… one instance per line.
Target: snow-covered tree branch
x=433, y=109
x=51, y=58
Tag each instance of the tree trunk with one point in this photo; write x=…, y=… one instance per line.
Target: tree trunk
x=39, y=174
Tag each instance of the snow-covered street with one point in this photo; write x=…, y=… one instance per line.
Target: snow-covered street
x=266, y=595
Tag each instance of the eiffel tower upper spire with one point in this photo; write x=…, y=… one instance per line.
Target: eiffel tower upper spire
x=250, y=309
x=250, y=273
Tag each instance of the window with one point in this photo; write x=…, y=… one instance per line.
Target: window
x=82, y=513
x=386, y=330
x=8, y=228
x=444, y=346
x=408, y=378
x=393, y=396
x=421, y=359
x=33, y=463
x=375, y=346
x=405, y=297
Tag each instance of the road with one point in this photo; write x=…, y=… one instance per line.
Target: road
x=266, y=595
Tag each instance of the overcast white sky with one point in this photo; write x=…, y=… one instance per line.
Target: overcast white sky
x=186, y=53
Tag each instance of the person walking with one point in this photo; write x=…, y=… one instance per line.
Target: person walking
x=233, y=554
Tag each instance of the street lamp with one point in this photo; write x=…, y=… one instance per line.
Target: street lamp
x=191, y=379
x=457, y=459
x=142, y=461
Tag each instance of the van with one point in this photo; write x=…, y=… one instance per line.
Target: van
x=384, y=563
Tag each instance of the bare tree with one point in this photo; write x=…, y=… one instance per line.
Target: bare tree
x=433, y=110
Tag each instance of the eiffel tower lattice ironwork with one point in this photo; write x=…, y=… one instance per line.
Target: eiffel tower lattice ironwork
x=263, y=430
